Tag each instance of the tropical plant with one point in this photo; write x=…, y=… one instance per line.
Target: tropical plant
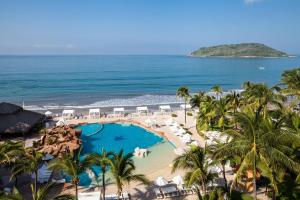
x=291, y=78
x=183, y=92
x=9, y=150
x=196, y=165
x=101, y=160
x=43, y=193
x=207, y=113
x=217, y=90
x=72, y=166
x=262, y=144
x=28, y=163
x=122, y=170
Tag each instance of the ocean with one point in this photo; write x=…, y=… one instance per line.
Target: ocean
x=55, y=82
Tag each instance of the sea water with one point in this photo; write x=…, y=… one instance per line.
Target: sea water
x=53, y=82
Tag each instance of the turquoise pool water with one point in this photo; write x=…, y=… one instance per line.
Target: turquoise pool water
x=113, y=137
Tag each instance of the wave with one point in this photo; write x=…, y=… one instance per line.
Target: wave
x=144, y=100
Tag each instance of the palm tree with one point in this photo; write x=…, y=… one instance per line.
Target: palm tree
x=291, y=78
x=28, y=163
x=195, y=163
x=72, y=166
x=262, y=97
x=262, y=144
x=221, y=111
x=206, y=114
x=217, y=90
x=101, y=160
x=122, y=170
x=183, y=92
x=9, y=150
x=42, y=194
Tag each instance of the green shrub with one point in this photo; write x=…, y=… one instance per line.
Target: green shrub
x=189, y=114
x=174, y=115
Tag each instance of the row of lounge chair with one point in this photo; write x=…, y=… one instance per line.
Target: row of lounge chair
x=96, y=195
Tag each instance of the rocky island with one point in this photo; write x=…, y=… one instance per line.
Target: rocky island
x=238, y=50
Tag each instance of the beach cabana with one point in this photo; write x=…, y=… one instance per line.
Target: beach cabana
x=187, y=106
x=178, y=180
x=119, y=111
x=165, y=108
x=68, y=114
x=160, y=181
x=142, y=110
x=94, y=112
x=15, y=120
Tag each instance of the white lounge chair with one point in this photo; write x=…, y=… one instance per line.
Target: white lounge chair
x=88, y=196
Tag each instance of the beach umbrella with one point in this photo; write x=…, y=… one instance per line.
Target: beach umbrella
x=178, y=180
x=160, y=181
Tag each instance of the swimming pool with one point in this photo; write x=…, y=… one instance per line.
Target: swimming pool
x=113, y=137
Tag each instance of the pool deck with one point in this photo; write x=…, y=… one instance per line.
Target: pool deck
x=164, y=168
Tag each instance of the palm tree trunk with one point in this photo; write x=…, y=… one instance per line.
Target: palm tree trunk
x=185, y=112
x=224, y=176
x=254, y=181
x=35, y=183
x=103, y=185
x=76, y=191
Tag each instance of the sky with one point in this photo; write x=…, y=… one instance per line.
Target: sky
x=125, y=27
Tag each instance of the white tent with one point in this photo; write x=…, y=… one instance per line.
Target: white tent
x=160, y=181
x=187, y=106
x=165, y=108
x=119, y=111
x=178, y=180
x=48, y=113
x=68, y=114
x=94, y=112
x=143, y=109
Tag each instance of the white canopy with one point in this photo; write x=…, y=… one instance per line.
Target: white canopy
x=178, y=180
x=187, y=106
x=165, y=108
x=160, y=181
x=68, y=113
x=143, y=109
x=119, y=110
x=48, y=113
x=94, y=112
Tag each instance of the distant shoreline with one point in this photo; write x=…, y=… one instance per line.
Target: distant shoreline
x=289, y=56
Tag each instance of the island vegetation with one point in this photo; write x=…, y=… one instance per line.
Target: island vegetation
x=238, y=50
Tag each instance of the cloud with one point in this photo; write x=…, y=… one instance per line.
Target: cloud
x=250, y=2
x=53, y=46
